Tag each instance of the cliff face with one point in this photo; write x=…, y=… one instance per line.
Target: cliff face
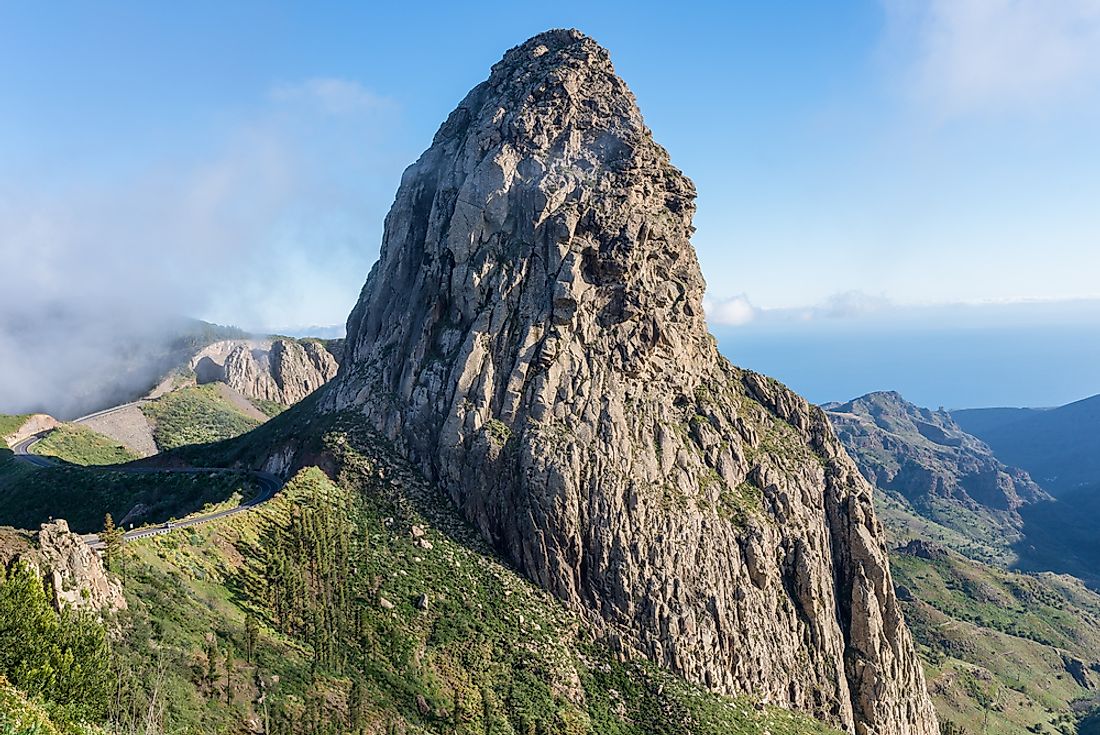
x=284, y=371
x=533, y=337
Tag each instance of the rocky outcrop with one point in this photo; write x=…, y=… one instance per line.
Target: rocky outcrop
x=923, y=549
x=285, y=374
x=533, y=337
x=282, y=371
x=74, y=574
x=918, y=452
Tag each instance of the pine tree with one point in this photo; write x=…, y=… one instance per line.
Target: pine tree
x=112, y=543
x=251, y=635
x=211, y=659
x=228, y=673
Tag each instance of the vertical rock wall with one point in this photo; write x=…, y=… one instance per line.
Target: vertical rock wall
x=533, y=337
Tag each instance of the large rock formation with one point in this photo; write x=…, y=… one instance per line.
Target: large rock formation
x=282, y=371
x=74, y=574
x=533, y=337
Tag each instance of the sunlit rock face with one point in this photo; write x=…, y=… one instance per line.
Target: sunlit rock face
x=532, y=336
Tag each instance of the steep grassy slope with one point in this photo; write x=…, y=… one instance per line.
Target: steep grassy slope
x=80, y=445
x=366, y=605
x=1004, y=652
x=195, y=415
x=269, y=408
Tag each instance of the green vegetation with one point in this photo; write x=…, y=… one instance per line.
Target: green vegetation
x=19, y=716
x=30, y=495
x=195, y=415
x=10, y=424
x=80, y=445
x=365, y=604
x=998, y=645
x=498, y=431
x=112, y=538
x=738, y=504
x=972, y=532
x=195, y=334
x=270, y=409
x=60, y=660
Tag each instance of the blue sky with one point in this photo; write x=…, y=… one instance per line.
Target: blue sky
x=235, y=160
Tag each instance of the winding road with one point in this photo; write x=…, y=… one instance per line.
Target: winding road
x=267, y=483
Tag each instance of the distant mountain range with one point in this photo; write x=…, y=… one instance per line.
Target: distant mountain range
x=928, y=466
x=1021, y=481
x=1059, y=447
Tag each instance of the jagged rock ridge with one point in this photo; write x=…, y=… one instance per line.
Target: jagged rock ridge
x=533, y=337
x=919, y=452
x=932, y=469
x=283, y=371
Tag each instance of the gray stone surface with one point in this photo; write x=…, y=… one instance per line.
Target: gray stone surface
x=285, y=373
x=74, y=572
x=532, y=336
x=129, y=426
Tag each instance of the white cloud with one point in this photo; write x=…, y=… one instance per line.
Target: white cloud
x=276, y=224
x=738, y=310
x=967, y=56
x=333, y=96
x=729, y=312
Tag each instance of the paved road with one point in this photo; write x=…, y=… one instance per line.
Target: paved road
x=268, y=484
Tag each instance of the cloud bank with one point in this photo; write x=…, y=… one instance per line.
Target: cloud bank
x=737, y=311
x=277, y=223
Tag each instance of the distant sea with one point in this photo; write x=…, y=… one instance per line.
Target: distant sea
x=1040, y=354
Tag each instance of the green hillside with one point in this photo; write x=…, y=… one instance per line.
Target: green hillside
x=1004, y=652
x=10, y=424
x=80, y=445
x=195, y=415
x=366, y=605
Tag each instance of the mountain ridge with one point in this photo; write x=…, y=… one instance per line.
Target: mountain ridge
x=938, y=470
x=1059, y=446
